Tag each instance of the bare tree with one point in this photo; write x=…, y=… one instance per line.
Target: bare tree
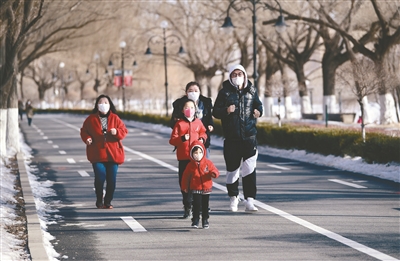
x=359, y=75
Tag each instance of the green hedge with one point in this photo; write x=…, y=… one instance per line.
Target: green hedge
x=378, y=148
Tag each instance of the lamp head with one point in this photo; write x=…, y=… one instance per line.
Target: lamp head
x=148, y=51
x=181, y=51
x=228, y=26
x=280, y=25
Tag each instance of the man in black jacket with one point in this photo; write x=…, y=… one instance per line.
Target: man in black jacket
x=238, y=106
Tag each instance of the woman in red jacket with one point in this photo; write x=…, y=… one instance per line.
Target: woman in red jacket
x=186, y=130
x=102, y=131
x=197, y=179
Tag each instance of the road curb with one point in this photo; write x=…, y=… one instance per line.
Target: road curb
x=35, y=234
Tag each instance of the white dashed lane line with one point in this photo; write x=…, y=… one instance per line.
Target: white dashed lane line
x=62, y=152
x=277, y=167
x=347, y=183
x=83, y=173
x=133, y=224
x=71, y=160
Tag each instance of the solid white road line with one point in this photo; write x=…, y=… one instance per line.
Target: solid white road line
x=346, y=183
x=159, y=162
x=71, y=161
x=357, y=246
x=277, y=167
x=83, y=173
x=133, y=224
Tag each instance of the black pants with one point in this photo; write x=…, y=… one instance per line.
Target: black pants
x=200, y=201
x=236, y=151
x=186, y=198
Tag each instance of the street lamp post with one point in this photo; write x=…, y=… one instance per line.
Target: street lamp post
x=61, y=74
x=280, y=27
x=123, y=55
x=148, y=52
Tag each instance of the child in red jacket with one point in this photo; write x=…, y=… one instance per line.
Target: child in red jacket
x=197, y=179
x=186, y=130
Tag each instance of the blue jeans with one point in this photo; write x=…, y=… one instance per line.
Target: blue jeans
x=105, y=171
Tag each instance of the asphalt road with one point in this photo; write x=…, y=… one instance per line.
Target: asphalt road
x=306, y=212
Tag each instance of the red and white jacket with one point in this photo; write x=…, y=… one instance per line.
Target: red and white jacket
x=196, y=131
x=197, y=175
x=104, y=148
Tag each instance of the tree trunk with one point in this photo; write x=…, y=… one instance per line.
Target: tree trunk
x=329, y=67
x=388, y=110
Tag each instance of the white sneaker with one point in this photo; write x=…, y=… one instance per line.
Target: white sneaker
x=250, y=205
x=234, y=203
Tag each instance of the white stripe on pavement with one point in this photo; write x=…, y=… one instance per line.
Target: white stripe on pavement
x=268, y=171
x=55, y=146
x=133, y=224
x=83, y=173
x=159, y=162
x=277, y=167
x=70, y=160
x=346, y=183
x=62, y=152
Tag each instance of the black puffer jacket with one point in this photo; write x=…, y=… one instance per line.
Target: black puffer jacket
x=241, y=123
x=207, y=118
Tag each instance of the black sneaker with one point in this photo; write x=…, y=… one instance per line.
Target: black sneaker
x=99, y=204
x=195, y=223
x=187, y=213
x=205, y=223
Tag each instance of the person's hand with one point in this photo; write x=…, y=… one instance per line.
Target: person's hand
x=187, y=136
x=113, y=131
x=210, y=128
x=213, y=174
x=256, y=113
x=89, y=141
x=231, y=108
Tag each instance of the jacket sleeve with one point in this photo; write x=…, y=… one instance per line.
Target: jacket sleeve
x=219, y=110
x=176, y=136
x=186, y=177
x=202, y=132
x=84, y=130
x=209, y=119
x=122, y=131
x=213, y=169
x=258, y=104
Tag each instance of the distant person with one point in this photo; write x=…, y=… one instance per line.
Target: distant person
x=238, y=106
x=102, y=131
x=20, y=109
x=197, y=180
x=29, y=111
x=186, y=130
x=203, y=112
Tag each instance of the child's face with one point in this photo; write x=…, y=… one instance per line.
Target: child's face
x=189, y=109
x=198, y=155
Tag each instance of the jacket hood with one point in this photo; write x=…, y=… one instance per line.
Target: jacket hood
x=196, y=144
x=240, y=67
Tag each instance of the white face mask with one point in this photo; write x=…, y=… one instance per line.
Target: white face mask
x=238, y=81
x=104, y=107
x=193, y=95
x=198, y=156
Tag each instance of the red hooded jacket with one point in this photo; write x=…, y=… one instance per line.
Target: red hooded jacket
x=195, y=129
x=104, y=148
x=197, y=175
